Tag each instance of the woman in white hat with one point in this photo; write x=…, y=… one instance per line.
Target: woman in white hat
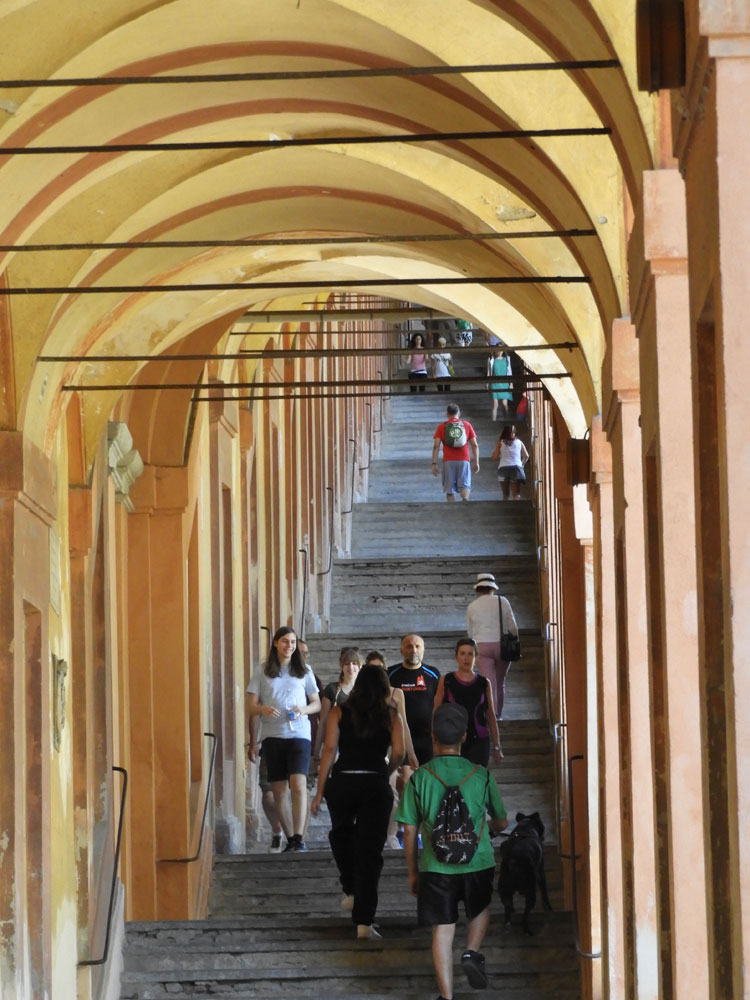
x=484, y=618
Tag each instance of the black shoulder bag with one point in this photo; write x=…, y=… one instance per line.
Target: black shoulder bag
x=510, y=643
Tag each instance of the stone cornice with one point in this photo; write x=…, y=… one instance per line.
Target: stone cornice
x=123, y=461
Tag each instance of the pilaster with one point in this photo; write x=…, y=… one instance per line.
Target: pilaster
x=610, y=793
x=622, y=400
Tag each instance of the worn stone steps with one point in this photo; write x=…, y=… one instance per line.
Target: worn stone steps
x=276, y=930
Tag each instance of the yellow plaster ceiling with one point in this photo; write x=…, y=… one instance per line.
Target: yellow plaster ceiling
x=439, y=187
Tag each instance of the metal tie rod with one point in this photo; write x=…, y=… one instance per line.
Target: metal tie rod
x=301, y=397
x=312, y=383
x=223, y=286
x=301, y=353
x=315, y=74
x=295, y=241
x=343, y=140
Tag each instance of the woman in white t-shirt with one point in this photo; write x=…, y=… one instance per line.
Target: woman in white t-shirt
x=511, y=456
x=441, y=365
x=284, y=693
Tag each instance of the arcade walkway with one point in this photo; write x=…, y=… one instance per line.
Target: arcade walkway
x=275, y=927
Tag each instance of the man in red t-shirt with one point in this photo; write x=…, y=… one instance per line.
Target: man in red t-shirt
x=459, y=443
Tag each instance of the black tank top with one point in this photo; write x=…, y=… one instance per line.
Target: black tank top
x=361, y=753
x=473, y=697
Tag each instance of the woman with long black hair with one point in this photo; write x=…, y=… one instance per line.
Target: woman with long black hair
x=358, y=791
x=284, y=694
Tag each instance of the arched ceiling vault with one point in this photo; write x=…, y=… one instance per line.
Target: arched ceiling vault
x=441, y=187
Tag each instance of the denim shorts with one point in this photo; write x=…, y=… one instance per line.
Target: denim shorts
x=511, y=473
x=285, y=757
x=456, y=476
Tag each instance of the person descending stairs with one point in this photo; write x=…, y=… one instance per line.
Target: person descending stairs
x=275, y=926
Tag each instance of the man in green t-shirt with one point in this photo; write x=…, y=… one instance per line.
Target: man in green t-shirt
x=439, y=886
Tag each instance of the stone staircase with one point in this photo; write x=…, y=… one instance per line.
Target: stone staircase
x=275, y=928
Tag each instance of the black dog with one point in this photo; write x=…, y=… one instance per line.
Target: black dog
x=522, y=867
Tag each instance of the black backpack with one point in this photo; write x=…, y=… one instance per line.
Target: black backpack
x=454, y=838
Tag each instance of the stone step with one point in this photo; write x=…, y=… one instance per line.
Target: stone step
x=473, y=529
x=517, y=985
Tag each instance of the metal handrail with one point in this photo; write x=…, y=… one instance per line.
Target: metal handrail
x=548, y=685
x=539, y=557
x=301, y=633
x=330, y=538
x=377, y=430
x=364, y=468
x=115, y=864
x=187, y=861
x=354, y=465
x=573, y=857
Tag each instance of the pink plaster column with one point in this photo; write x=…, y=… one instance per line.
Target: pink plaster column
x=610, y=806
x=729, y=47
x=622, y=401
x=662, y=316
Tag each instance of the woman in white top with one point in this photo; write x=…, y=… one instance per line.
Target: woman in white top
x=511, y=455
x=284, y=693
x=440, y=365
x=483, y=626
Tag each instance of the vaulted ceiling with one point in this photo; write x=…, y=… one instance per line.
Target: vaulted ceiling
x=216, y=190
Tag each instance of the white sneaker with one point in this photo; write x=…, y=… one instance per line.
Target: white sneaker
x=366, y=932
x=347, y=903
x=393, y=842
x=275, y=847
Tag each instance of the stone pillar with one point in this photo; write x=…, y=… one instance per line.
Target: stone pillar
x=662, y=316
x=622, y=417
x=28, y=507
x=165, y=821
x=610, y=795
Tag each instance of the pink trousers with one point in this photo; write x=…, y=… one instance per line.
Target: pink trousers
x=495, y=670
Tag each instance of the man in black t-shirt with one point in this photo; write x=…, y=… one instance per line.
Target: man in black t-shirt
x=419, y=683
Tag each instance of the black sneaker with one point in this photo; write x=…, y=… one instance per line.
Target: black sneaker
x=291, y=844
x=275, y=847
x=472, y=962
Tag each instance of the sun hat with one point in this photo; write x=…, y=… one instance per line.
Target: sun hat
x=485, y=580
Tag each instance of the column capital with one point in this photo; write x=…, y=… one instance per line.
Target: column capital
x=28, y=475
x=601, y=453
x=621, y=377
x=722, y=21
x=664, y=220
x=162, y=489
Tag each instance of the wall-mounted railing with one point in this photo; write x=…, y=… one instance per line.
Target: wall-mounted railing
x=354, y=466
x=194, y=857
x=115, y=865
x=301, y=631
x=330, y=536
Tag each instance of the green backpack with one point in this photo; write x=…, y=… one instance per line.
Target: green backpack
x=455, y=434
